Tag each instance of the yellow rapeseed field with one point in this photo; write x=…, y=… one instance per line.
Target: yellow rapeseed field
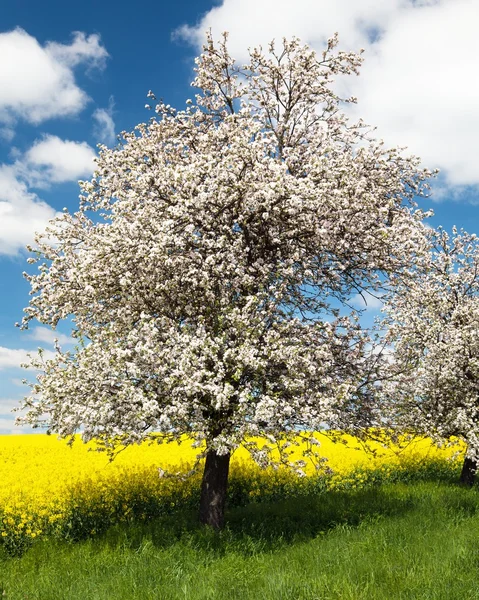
x=49, y=487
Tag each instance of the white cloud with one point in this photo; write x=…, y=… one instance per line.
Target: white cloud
x=49, y=161
x=8, y=427
x=43, y=334
x=367, y=301
x=104, y=125
x=386, y=351
x=418, y=82
x=37, y=82
x=420, y=87
x=7, y=133
x=253, y=22
x=83, y=49
x=8, y=404
x=22, y=213
x=53, y=160
x=13, y=359
x=7, y=420
x=7, y=417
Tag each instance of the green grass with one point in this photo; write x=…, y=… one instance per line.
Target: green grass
x=395, y=541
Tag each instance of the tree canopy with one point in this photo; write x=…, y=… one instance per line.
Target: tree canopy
x=212, y=255
x=432, y=322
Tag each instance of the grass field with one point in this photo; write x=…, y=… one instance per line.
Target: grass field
x=395, y=541
x=394, y=525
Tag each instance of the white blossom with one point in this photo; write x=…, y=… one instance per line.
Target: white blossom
x=433, y=325
x=204, y=268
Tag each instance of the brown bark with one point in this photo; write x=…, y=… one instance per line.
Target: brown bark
x=468, y=473
x=213, y=489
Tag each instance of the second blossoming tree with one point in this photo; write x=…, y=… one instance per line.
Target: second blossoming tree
x=432, y=323
x=208, y=265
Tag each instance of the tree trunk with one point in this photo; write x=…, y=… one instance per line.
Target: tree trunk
x=468, y=473
x=213, y=489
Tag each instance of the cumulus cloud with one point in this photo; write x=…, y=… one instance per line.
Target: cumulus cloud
x=8, y=427
x=11, y=358
x=53, y=160
x=418, y=83
x=49, y=161
x=83, y=49
x=7, y=418
x=22, y=213
x=8, y=404
x=253, y=22
x=104, y=125
x=37, y=82
x=7, y=134
x=48, y=336
x=422, y=93
x=367, y=301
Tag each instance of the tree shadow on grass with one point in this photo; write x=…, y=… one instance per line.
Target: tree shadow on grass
x=267, y=526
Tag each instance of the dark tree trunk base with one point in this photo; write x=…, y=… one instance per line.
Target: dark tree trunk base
x=213, y=489
x=468, y=473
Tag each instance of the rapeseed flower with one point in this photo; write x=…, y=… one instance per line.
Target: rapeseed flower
x=51, y=488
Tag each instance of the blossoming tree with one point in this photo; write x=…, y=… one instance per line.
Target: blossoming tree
x=207, y=265
x=433, y=324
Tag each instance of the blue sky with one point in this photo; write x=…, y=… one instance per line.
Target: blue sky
x=75, y=74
